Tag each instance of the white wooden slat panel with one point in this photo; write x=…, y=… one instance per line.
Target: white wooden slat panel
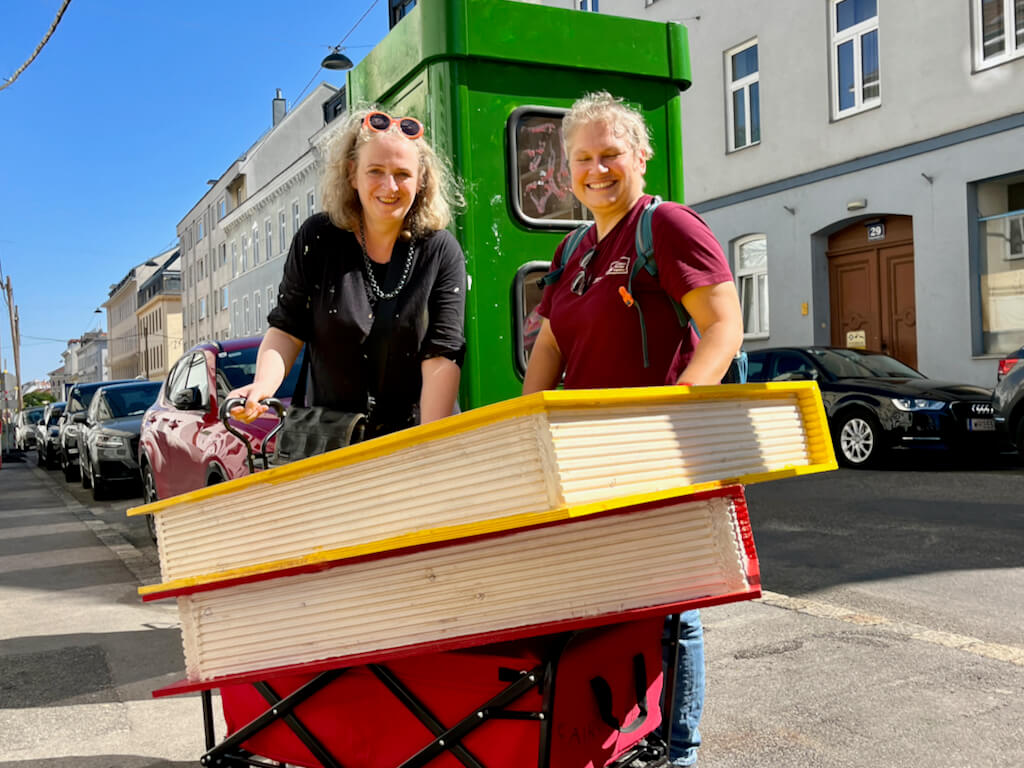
x=592, y=566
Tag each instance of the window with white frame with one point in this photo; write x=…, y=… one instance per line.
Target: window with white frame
x=295, y=217
x=245, y=253
x=200, y=226
x=223, y=255
x=282, y=229
x=224, y=297
x=855, y=77
x=234, y=258
x=268, y=227
x=310, y=203
x=998, y=31
x=222, y=208
x=236, y=320
x=1000, y=236
x=271, y=298
x=202, y=308
x=245, y=315
x=255, y=243
x=744, y=96
x=257, y=311
x=588, y=5
x=750, y=256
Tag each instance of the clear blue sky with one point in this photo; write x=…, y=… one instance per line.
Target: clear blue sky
x=108, y=138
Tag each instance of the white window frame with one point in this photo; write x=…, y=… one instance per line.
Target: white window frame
x=310, y=203
x=245, y=316
x=743, y=84
x=234, y=317
x=245, y=253
x=295, y=217
x=1011, y=50
x=852, y=34
x=202, y=308
x=222, y=208
x=255, y=243
x=234, y=258
x=271, y=298
x=741, y=275
x=268, y=229
x=223, y=297
x=257, y=310
x=282, y=221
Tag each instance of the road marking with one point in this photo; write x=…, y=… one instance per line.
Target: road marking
x=1008, y=653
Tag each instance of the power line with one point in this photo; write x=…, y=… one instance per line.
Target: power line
x=338, y=46
x=49, y=32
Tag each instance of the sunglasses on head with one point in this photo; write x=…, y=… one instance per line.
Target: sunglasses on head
x=380, y=122
x=581, y=282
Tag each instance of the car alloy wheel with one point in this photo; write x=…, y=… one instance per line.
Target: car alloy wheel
x=83, y=470
x=149, y=495
x=858, y=440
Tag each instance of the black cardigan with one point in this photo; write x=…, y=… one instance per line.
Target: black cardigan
x=323, y=300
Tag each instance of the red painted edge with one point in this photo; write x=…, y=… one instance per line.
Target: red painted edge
x=733, y=491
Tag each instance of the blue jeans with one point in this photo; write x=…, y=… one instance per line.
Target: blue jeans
x=689, y=694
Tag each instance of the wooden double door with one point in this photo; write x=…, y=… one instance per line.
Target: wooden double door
x=871, y=287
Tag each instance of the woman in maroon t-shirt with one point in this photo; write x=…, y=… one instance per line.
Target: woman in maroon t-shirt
x=594, y=338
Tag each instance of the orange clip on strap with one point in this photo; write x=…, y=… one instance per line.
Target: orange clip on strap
x=627, y=298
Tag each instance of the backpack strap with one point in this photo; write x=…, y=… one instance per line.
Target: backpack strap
x=571, y=244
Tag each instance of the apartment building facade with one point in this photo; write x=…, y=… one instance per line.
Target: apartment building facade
x=861, y=162
x=123, y=344
x=159, y=320
x=233, y=239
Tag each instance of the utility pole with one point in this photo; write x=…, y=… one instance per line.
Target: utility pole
x=15, y=341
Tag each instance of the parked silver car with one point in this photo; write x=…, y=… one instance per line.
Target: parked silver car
x=109, y=435
x=25, y=428
x=48, y=434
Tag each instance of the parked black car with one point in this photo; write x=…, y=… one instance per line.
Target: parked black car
x=1008, y=406
x=79, y=398
x=875, y=403
x=47, y=434
x=109, y=435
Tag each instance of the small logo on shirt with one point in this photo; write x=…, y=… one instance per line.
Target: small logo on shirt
x=619, y=267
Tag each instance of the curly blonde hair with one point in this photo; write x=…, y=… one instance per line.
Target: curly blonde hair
x=439, y=193
x=602, y=107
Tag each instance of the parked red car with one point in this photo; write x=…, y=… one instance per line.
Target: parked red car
x=183, y=444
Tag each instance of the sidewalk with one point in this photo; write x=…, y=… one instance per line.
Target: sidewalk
x=79, y=651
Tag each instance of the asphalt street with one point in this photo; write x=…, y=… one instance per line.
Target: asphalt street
x=891, y=632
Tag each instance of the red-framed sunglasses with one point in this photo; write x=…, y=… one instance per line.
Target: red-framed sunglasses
x=410, y=127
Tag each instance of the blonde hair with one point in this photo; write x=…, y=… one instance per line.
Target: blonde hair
x=602, y=107
x=439, y=192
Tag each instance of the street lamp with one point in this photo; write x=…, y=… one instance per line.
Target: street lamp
x=336, y=59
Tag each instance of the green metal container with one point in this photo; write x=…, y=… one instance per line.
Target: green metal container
x=489, y=79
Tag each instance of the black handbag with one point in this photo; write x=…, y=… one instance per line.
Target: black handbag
x=312, y=430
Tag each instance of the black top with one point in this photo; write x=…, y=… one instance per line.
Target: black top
x=323, y=299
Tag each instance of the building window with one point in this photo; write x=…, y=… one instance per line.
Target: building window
x=202, y=308
x=855, y=82
x=236, y=322
x=750, y=255
x=224, y=297
x=222, y=208
x=245, y=315
x=397, y=9
x=282, y=227
x=223, y=255
x=588, y=5
x=255, y=244
x=310, y=203
x=257, y=311
x=234, y=258
x=269, y=228
x=295, y=217
x=998, y=31
x=271, y=298
x=1000, y=228
x=200, y=227
x=744, y=96
x=245, y=253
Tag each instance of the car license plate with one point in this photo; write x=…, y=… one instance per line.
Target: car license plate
x=981, y=425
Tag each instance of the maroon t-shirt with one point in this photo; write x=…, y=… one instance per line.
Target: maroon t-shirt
x=598, y=335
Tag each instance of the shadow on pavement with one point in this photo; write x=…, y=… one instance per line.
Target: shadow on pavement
x=85, y=668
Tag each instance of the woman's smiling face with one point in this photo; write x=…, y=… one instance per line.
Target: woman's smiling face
x=387, y=178
x=607, y=171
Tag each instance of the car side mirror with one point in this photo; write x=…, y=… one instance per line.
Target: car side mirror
x=188, y=399
x=79, y=418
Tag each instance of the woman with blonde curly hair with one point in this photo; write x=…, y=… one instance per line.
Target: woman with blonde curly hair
x=374, y=286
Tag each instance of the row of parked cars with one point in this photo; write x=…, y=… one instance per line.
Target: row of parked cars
x=166, y=437
x=169, y=436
